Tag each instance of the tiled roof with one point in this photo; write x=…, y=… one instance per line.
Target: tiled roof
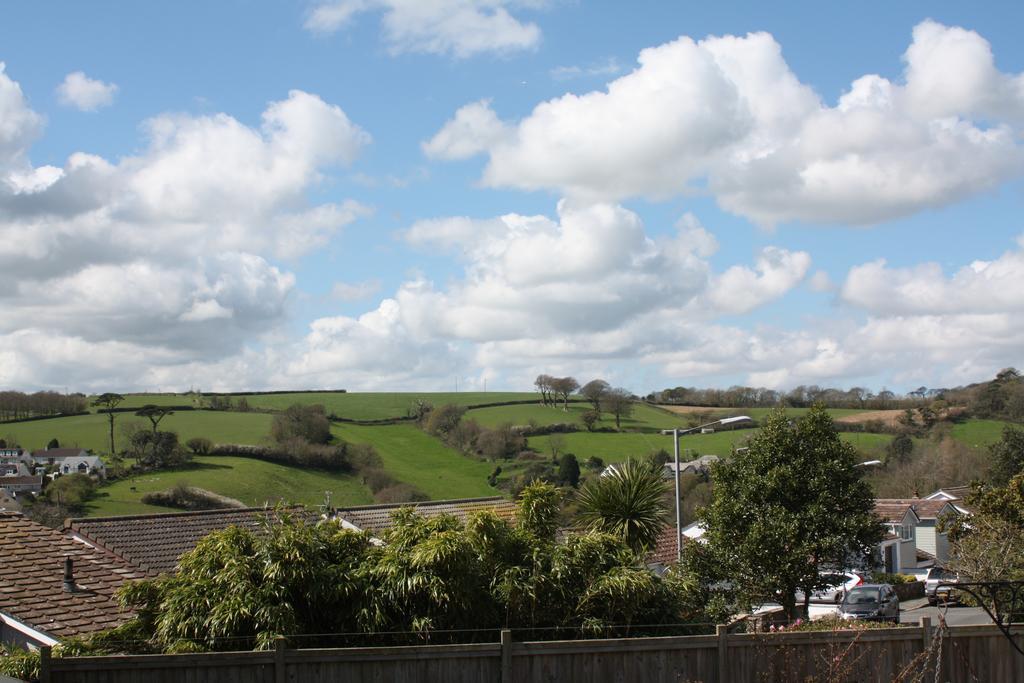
x=156, y=541
x=925, y=509
x=21, y=481
x=891, y=510
x=8, y=502
x=664, y=551
x=377, y=518
x=32, y=576
x=955, y=492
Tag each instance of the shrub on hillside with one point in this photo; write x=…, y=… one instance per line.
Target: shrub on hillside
x=442, y=421
x=306, y=422
x=185, y=497
x=377, y=479
x=71, y=490
x=296, y=453
x=400, y=493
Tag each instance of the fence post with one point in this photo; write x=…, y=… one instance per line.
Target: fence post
x=722, y=631
x=506, y=656
x=279, y=663
x=45, y=652
x=926, y=632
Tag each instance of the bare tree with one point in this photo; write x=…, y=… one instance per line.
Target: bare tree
x=618, y=402
x=543, y=384
x=564, y=386
x=593, y=391
x=108, y=402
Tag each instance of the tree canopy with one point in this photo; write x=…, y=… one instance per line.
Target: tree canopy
x=627, y=501
x=428, y=576
x=791, y=504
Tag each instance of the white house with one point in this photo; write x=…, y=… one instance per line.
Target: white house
x=701, y=464
x=14, y=469
x=897, y=553
x=71, y=461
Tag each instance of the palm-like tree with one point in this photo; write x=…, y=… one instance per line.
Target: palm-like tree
x=628, y=500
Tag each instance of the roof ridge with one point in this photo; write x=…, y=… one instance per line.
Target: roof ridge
x=418, y=503
x=70, y=522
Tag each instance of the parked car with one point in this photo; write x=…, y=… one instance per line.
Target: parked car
x=875, y=601
x=840, y=583
x=933, y=591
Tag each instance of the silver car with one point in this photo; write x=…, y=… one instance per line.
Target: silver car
x=933, y=591
x=839, y=584
x=875, y=601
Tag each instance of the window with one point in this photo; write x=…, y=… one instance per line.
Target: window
x=908, y=532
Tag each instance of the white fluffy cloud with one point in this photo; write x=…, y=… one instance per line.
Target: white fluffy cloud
x=84, y=93
x=474, y=128
x=163, y=259
x=461, y=28
x=922, y=326
x=980, y=287
x=582, y=292
x=728, y=111
x=19, y=125
x=741, y=289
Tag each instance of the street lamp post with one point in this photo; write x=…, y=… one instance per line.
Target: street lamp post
x=676, y=433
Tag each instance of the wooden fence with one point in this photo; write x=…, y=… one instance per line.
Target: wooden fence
x=963, y=653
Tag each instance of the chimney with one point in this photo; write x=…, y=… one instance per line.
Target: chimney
x=69, y=575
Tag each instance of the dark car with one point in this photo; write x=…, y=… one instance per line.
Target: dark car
x=875, y=601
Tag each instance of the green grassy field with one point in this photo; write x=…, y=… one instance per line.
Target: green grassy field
x=92, y=431
x=377, y=406
x=979, y=433
x=761, y=413
x=644, y=416
x=419, y=459
x=617, y=447
x=253, y=482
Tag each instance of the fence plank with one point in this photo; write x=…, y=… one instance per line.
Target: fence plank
x=968, y=653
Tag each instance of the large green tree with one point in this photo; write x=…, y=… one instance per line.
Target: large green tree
x=988, y=545
x=793, y=503
x=1007, y=455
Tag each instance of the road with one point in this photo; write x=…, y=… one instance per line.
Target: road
x=955, y=616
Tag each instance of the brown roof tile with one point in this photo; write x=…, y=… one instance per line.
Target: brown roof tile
x=156, y=541
x=664, y=551
x=377, y=518
x=32, y=576
x=925, y=509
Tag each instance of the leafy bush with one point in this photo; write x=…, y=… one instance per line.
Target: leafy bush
x=71, y=490
x=20, y=664
x=836, y=623
x=399, y=493
x=894, y=579
x=185, y=497
x=296, y=453
x=306, y=422
x=377, y=480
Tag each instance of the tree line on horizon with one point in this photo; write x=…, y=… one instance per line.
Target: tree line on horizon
x=999, y=398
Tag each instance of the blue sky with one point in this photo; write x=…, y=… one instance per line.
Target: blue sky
x=380, y=194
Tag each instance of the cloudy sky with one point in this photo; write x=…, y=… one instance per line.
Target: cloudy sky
x=402, y=194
